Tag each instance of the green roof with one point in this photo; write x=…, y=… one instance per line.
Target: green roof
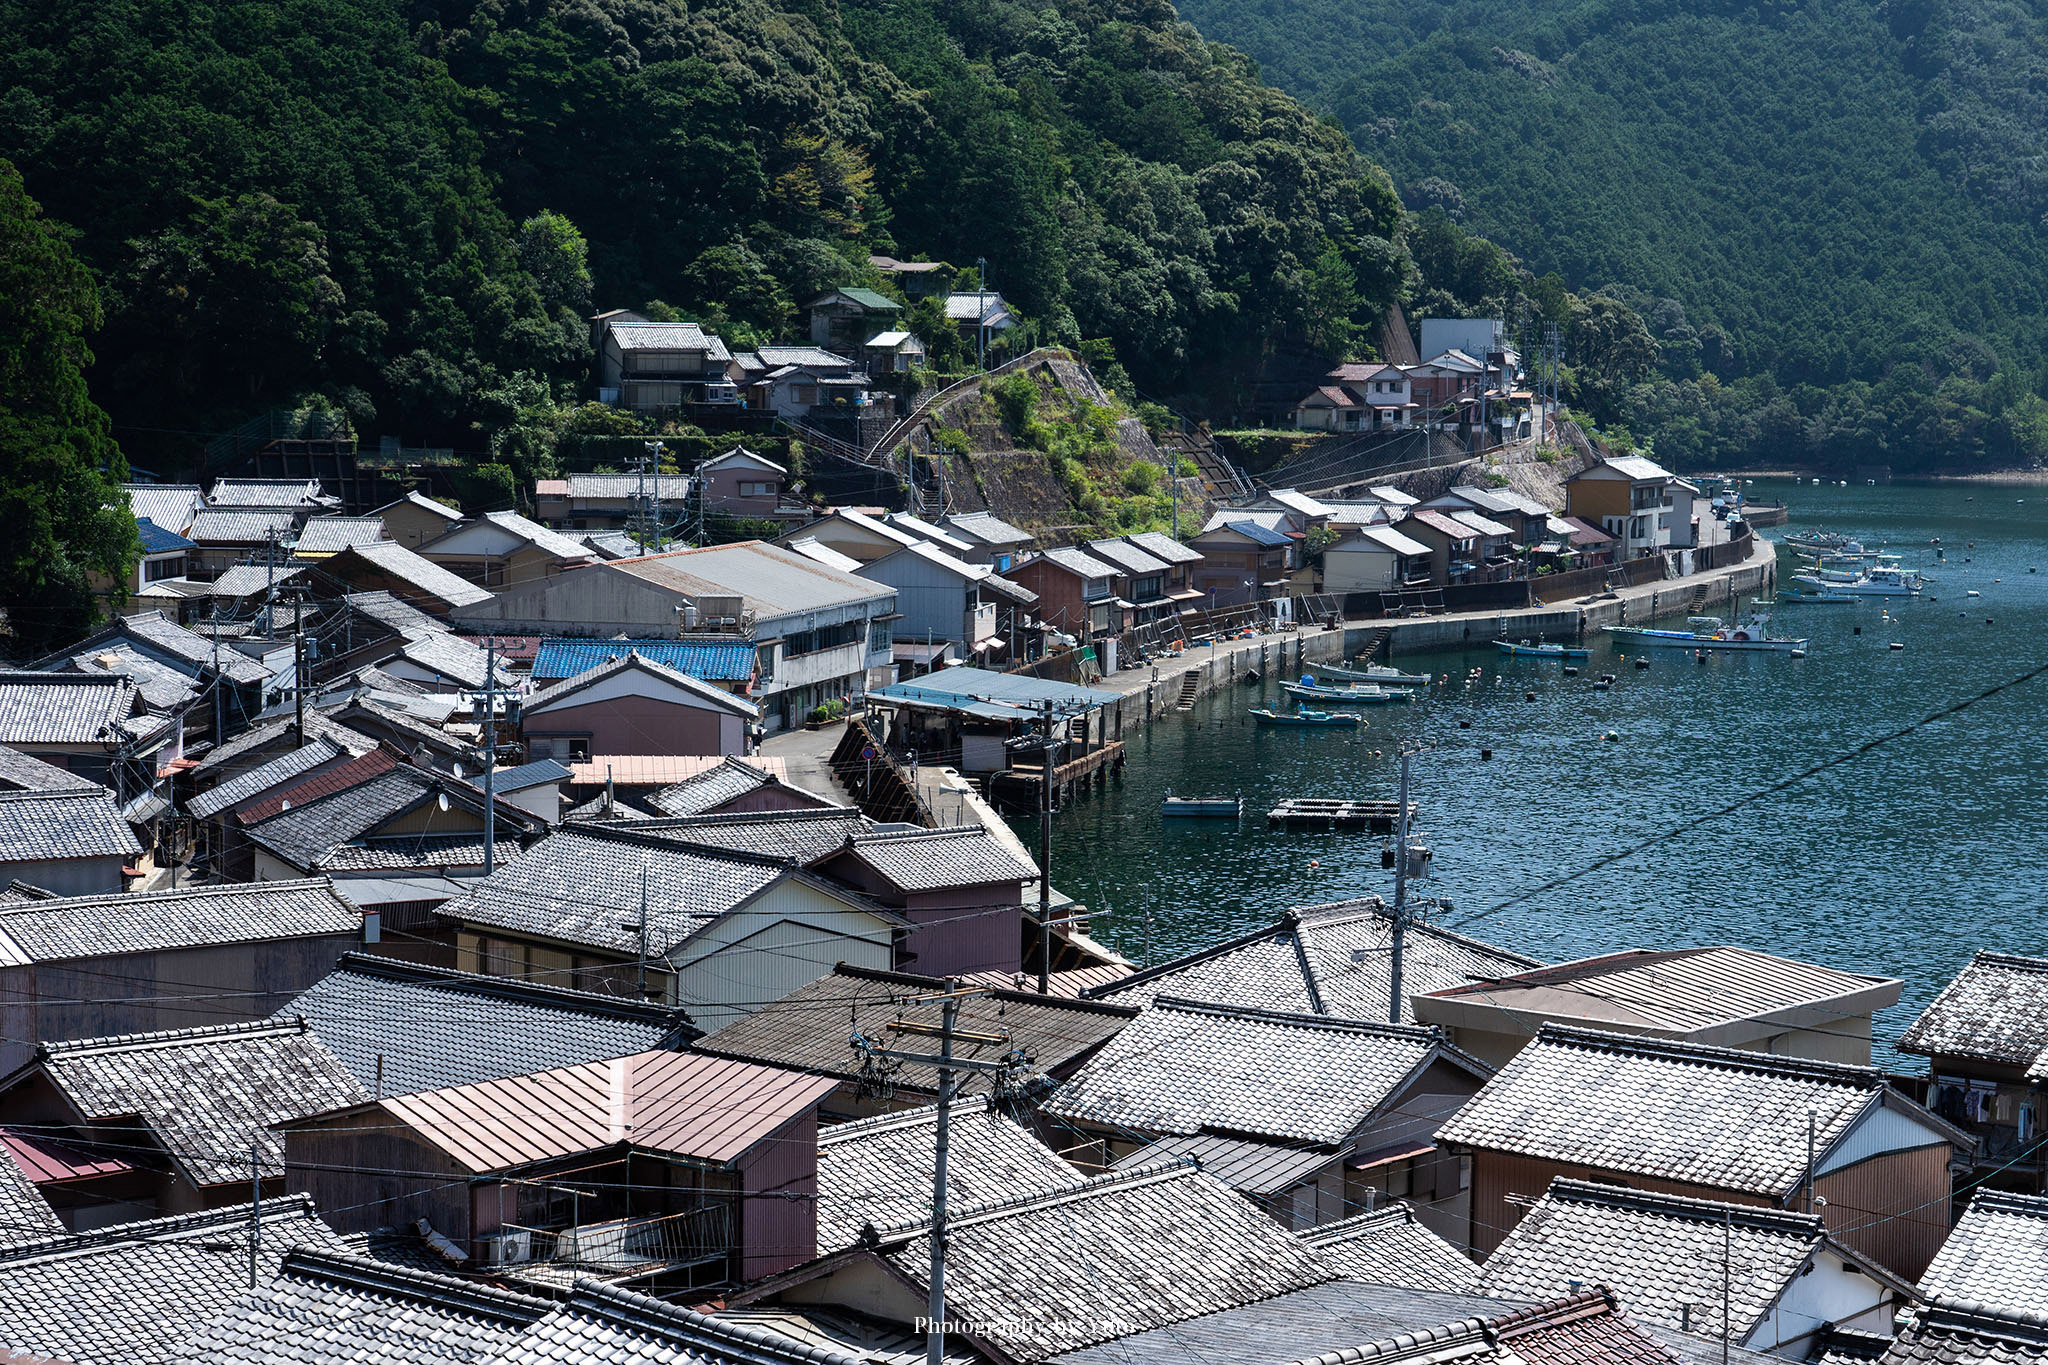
x=873, y=302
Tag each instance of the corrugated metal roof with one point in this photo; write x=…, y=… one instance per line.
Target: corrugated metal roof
x=1389, y=538
x=810, y=548
x=775, y=582
x=684, y=1104
x=961, y=686
x=632, y=662
x=1244, y=1164
x=918, y=526
x=408, y=568
x=1438, y=522
x=724, y=661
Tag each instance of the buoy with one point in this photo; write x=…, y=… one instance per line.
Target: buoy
x=1611, y=736
x=1798, y=653
x=1973, y=593
x=1859, y=630
x=1486, y=755
x=1700, y=654
x=1528, y=696
x=1987, y=620
x=1464, y=725
x=1897, y=645
x=1642, y=663
x=1571, y=672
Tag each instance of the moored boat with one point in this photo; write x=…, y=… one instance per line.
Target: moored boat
x=1712, y=633
x=1361, y=695
x=1303, y=716
x=1526, y=650
x=1379, y=675
x=1805, y=595
x=1223, y=807
x=1883, y=581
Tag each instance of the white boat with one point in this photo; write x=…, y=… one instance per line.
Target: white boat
x=1880, y=581
x=1377, y=674
x=1711, y=632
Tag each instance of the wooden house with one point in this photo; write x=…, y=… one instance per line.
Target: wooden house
x=1986, y=1041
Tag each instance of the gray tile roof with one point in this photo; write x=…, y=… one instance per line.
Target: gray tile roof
x=72, y=927
x=799, y=835
x=1114, y=1255
x=1953, y=1335
x=324, y=535
x=879, y=1171
x=1656, y=1252
x=64, y=708
x=402, y=617
x=453, y=657
x=169, y=505
x=808, y=1028
x=254, y=580
x=282, y=730
x=329, y=1309
x=266, y=493
x=1390, y=1246
x=132, y=1294
x=1189, y=1068
x=582, y=885
x=205, y=1094
x=709, y=789
x=668, y=487
x=429, y=578
x=1997, y=1256
x=1320, y=959
x=606, y=1325
x=35, y=826
x=1842, y=1346
x=25, y=772
x=1160, y=545
x=933, y=859
x=1126, y=557
x=230, y=526
x=1716, y=1117
x=1078, y=562
x=426, y=1028
x=538, y=773
x=985, y=527
x=25, y=1216
x=286, y=767
x=634, y=662
x=164, y=688
x=1996, y=1010
x=340, y=827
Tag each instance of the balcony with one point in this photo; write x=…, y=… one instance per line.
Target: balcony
x=618, y=1246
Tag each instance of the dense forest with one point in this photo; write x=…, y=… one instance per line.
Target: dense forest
x=1829, y=213
x=404, y=209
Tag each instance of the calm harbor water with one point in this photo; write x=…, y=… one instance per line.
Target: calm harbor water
x=1902, y=861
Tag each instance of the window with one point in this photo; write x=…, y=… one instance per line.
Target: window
x=756, y=489
x=804, y=393
x=878, y=637
x=1147, y=589
x=579, y=751
x=157, y=569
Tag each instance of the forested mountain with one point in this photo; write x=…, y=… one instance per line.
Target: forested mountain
x=405, y=208
x=1830, y=212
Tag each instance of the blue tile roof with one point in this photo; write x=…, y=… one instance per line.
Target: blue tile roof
x=156, y=540
x=709, y=662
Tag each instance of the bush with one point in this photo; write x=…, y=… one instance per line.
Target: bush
x=1158, y=418
x=1142, y=477
x=953, y=441
x=1016, y=397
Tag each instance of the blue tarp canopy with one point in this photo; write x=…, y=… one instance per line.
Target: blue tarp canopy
x=993, y=696
x=706, y=660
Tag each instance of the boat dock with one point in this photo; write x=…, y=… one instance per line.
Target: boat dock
x=1311, y=812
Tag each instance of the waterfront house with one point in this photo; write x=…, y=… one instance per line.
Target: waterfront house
x=1327, y=959
x=1723, y=997
x=415, y=519
x=940, y=598
x=741, y=483
x=634, y=704
x=210, y=953
x=844, y=318
x=1301, y=1113
x=1040, y=1276
x=1526, y=519
x=1180, y=561
x=502, y=548
x=648, y=366
x=961, y=889
x=699, y=1169
x=1644, y=506
x=1076, y=592
x=1376, y=559
x=807, y=1030
x=1787, y=1281
x=187, y=1111
x=1710, y=1123
x=1454, y=555
x=877, y=1172
x=818, y=631
x=1986, y=1041
x=976, y=713
x=990, y=539
x=723, y=931
x=1996, y=1258
x=1141, y=580
x=1243, y=560
x=1391, y=1246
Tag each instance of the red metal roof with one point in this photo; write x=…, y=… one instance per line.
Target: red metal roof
x=47, y=1160
x=333, y=780
x=660, y=770
x=683, y=1103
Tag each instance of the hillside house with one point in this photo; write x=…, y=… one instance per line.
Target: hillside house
x=892, y=352
x=385, y=566
x=648, y=366
x=979, y=314
x=415, y=519
x=854, y=533
x=1446, y=387
x=1710, y=1123
x=742, y=483
x=1481, y=339
x=844, y=318
x=918, y=279
x=799, y=380
x=1076, y=592
x=634, y=705
x=1986, y=1041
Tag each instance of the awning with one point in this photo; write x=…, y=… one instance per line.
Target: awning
x=145, y=808
x=984, y=646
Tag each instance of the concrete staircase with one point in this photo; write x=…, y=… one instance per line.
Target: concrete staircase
x=1190, y=689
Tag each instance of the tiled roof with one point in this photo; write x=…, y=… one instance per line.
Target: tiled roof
x=265, y=493
x=684, y=1104
x=879, y=1171
x=157, y=633
x=668, y=487
x=425, y=1028
x=428, y=578
x=424, y=503
x=305, y=833
x=415, y=853
x=35, y=826
x=164, y=688
x=329, y=1309
x=934, y=859
x=251, y=580
x=1661, y=1254
x=720, y=661
x=709, y=789
x=402, y=617
x=918, y=526
x=64, y=708
x=808, y=1028
x=25, y=772
x=169, y=505
x=799, y=835
x=205, y=1094
x=25, y=1216
x=1843, y=1346
x=582, y=885
x=1997, y=1256
x=454, y=658
x=817, y=356
x=540, y=537
x=1440, y=523
x=1075, y=561
x=1189, y=1068
x=667, y=336
x=71, y=927
x=1484, y=525
x=1162, y=546
x=632, y=662
x=218, y=526
x=389, y=718
x=1129, y=558
x=1255, y=1166
x=1708, y=1116
x=286, y=767
x=605, y=1325
x=1107, y=1257
x=366, y=765
x=1958, y=1335
x=985, y=528
x=133, y=1294
x=1995, y=1010
x=1390, y=1246
x=1320, y=959
x=283, y=729
x=325, y=535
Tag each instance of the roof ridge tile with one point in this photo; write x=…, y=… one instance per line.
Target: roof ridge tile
x=234, y=1218
x=272, y=1027
x=1727, y=1058
x=387, y=1277
x=1688, y=1207
x=1328, y=1023
x=1178, y=1168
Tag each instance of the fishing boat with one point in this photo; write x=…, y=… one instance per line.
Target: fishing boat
x=1805, y=595
x=1214, y=807
x=1302, y=715
x=1360, y=695
x=1881, y=581
x=1824, y=543
x=1524, y=649
x=1379, y=675
x=1711, y=632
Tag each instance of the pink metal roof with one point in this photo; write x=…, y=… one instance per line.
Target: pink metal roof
x=660, y=770
x=46, y=1160
x=683, y=1103
x=1437, y=521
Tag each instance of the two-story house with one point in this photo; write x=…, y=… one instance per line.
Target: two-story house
x=796, y=380
x=1986, y=1041
x=1446, y=387
x=1453, y=546
x=845, y=318
x=1362, y=396
x=1644, y=506
x=1076, y=592
x=1180, y=561
x=1243, y=559
x=1141, y=580
x=647, y=366
x=1376, y=559
x=940, y=598
x=742, y=483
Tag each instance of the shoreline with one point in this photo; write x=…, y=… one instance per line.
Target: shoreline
x=2031, y=478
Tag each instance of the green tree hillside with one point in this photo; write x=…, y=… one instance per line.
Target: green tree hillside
x=60, y=496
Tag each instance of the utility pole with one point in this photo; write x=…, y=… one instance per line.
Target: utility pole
x=299, y=675
x=270, y=585
x=490, y=755
x=1727, y=1276
x=1173, y=478
x=1400, y=927
x=654, y=449
x=640, y=980
x=1045, y=856
x=981, y=314
x=255, y=1209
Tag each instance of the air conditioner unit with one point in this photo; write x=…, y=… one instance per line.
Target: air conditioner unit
x=513, y=1246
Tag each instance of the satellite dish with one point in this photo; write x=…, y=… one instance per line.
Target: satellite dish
x=442, y=799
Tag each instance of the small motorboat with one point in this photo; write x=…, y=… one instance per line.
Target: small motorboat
x=1379, y=675
x=1209, y=807
x=1806, y=595
x=1882, y=581
x=1303, y=716
x=1357, y=695
x=1710, y=633
x=1525, y=649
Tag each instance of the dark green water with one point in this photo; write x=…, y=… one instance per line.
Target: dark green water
x=1902, y=861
